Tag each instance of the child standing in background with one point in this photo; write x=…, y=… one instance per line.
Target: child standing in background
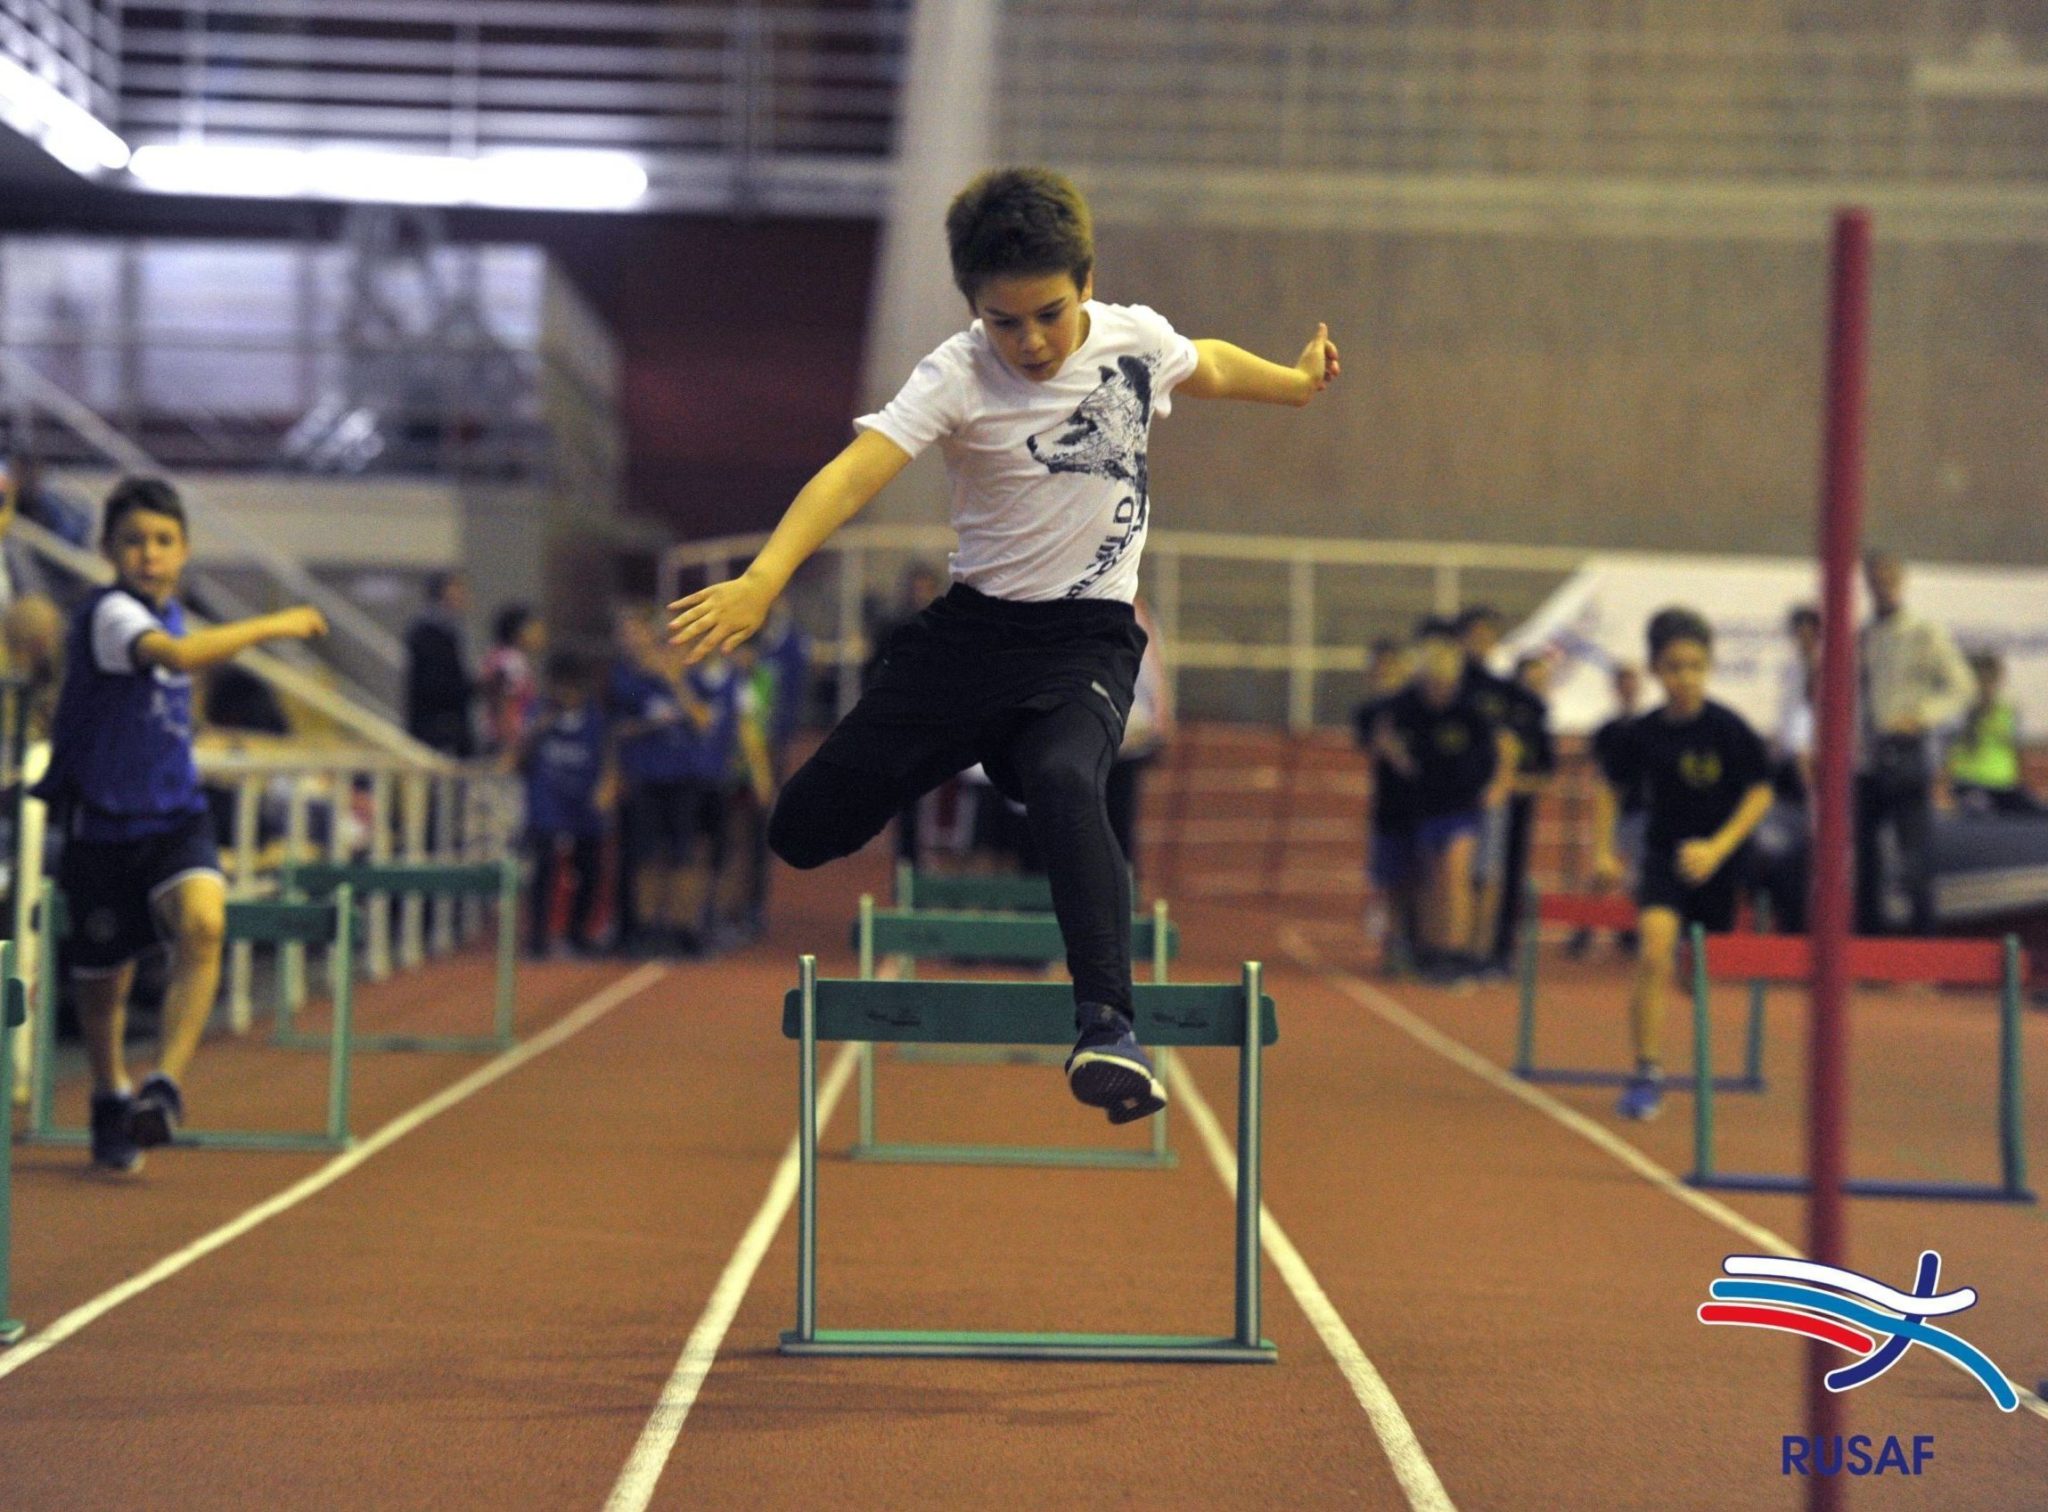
x=570, y=787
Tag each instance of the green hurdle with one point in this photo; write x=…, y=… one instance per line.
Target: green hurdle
x=13, y=1012
x=1015, y=938
x=262, y=922
x=1038, y=1013
x=994, y=894
x=486, y=879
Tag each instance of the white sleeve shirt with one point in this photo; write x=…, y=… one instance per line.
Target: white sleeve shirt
x=118, y=622
x=1050, y=493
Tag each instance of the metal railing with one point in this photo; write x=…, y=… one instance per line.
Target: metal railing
x=772, y=106
x=1300, y=609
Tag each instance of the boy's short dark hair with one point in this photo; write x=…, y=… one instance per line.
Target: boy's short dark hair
x=510, y=621
x=1803, y=617
x=569, y=669
x=1029, y=221
x=1478, y=614
x=1678, y=624
x=131, y=494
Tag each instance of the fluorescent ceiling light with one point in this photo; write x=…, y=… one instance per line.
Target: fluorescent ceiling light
x=62, y=127
x=539, y=180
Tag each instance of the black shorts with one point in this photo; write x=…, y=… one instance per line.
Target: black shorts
x=955, y=683
x=663, y=819
x=111, y=889
x=1711, y=905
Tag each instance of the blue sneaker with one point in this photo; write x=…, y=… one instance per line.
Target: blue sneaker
x=159, y=1109
x=113, y=1145
x=1642, y=1099
x=1110, y=1070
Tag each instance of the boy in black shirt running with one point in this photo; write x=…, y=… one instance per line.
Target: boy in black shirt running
x=1706, y=779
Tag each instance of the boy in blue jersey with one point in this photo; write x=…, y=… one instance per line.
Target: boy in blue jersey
x=566, y=759
x=1027, y=665
x=660, y=723
x=139, y=866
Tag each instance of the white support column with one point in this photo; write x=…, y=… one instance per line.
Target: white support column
x=242, y=954
x=30, y=821
x=341, y=813
x=291, y=958
x=447, y=795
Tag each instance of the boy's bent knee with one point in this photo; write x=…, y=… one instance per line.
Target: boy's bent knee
x=798, y=841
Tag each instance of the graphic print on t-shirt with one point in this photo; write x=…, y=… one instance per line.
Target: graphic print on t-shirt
x=1105, y=438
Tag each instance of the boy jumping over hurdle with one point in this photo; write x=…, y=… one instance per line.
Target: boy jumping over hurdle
x=1706, y=778
x=1027, y=663
x=140, y=867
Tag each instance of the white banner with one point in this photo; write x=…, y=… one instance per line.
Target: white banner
x=1598, y=617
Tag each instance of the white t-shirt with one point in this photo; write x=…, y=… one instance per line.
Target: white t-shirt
x=1049, y=481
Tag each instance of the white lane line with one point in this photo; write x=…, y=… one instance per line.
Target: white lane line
x=1367, y=996
x=1411, y=1466
x=635, y=1487
x=575, y=1021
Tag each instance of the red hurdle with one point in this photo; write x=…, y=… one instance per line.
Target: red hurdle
x=1762, y=958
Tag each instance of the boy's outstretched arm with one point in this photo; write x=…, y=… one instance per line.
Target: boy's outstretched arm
x=1700, y=859
x=1224, y=371
x=218, y=643
x=723, y=615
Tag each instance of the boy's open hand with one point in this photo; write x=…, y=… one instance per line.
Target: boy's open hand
x=302, y=623
x=1698, y=860
x=718, y=618
x=1318, y=361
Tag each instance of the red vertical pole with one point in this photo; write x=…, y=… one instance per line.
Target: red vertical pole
x=1841, y=527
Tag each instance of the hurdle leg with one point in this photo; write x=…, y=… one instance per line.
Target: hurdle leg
x=43, y=1082
x=1248, y=1164
x=1703, y=1065
x=1160, y=968
x=341, y=1050
x=1753, y=1046
x=864, y=1138
x=807, y=1154
x=1525, y=1018
x=13, y=1001
x=508, y=950
x=291, y=959
x=2012, y=1145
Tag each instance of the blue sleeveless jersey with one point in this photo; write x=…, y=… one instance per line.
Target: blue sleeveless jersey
x=121, y=742
x=563, y=768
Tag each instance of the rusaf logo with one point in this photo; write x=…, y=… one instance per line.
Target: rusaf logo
x=1877, y=1322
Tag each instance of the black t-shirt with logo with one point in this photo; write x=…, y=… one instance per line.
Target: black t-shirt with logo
x=1528, y=720
x=1694, y=772
x=1610, y=745
x=1453, y=747
x=1489, y=694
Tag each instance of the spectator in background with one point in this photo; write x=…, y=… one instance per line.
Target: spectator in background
x=1392, y=918
x=33, y=629
x=1792, y=741
x=1984, y=759
x=1147, y=732
x=738, y=789
x=45, y=506
x=1781, y=851
x=1528, y=718
x=1914, y=681
x=1479, y=630
x=658, y=722
x=511, y=683
x=784, y=673
x=22, y=573
x=1627, y=795
x=920, y=586
x=439, y=692
x=570, y=785
x=1434, y=737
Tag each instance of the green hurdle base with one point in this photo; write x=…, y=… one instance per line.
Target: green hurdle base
x=295, y=1038
x=216, y=1139
x=1014, y=1155
x=981, y=1055
x=913, y=1343
x=1799, y=1186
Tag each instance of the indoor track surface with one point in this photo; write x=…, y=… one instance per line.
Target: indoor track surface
x=556, y=1279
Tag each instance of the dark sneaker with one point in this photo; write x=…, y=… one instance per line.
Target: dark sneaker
x=113, y=1145
x=1110, y=1070
x=158, y=1110
x=1642, y=1099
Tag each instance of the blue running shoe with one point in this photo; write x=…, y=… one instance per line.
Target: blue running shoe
x=1110, y=1070
x=159, y=1109
x=1642, y=1099
x=113, y=1145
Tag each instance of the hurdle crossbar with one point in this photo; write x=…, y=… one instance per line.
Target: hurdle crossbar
x=970, y=1012
x=1763, y=958
x=984, y=894
x=371, y=879
x=1016, y=938
x=1615, y=912
x=258, y=921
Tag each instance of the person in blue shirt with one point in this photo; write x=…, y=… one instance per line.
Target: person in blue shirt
x=659, y=722
x=566, y=760
x=140, y=867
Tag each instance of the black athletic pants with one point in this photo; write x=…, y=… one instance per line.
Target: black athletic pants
x=1908, y=811
x=1061, y=761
